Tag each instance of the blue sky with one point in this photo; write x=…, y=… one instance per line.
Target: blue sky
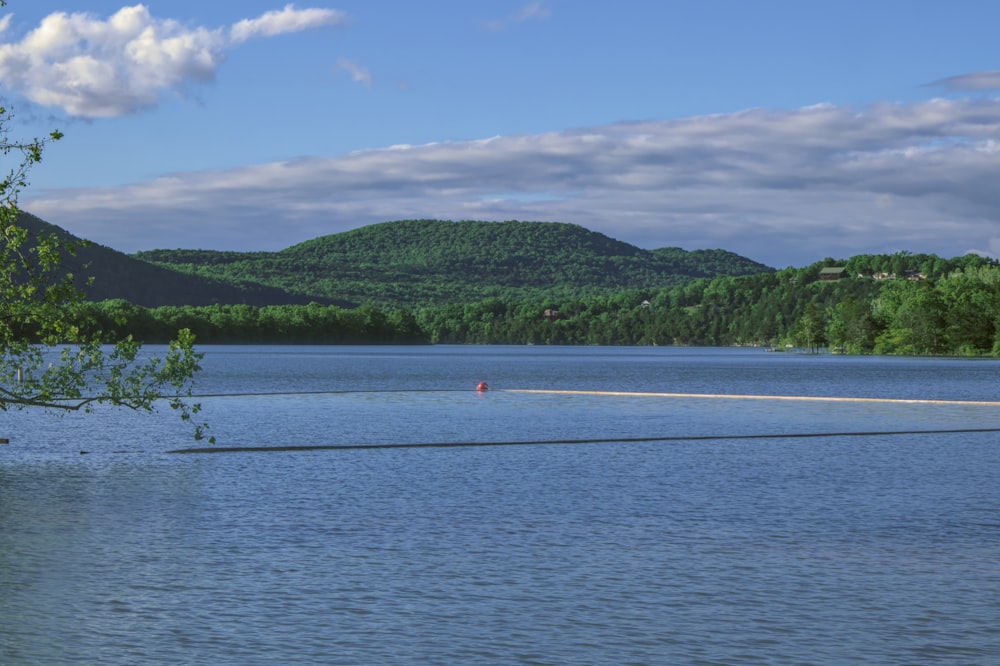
x=786, y=131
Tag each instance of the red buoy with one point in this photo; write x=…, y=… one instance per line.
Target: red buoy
x=482, y=386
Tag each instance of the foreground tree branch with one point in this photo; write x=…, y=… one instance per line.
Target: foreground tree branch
x=51, y=355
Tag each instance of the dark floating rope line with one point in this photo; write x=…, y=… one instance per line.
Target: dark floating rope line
x=549, y=442
x=265, y=394
x=625, y=394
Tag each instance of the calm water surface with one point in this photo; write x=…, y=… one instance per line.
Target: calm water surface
x=707, y=544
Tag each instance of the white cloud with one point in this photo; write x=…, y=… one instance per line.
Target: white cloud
x=783, y=187
x=285, y=21
x=530, y=11
x=94, y=68
x=359, y=74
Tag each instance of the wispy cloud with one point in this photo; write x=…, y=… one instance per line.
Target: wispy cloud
x=530, y=11
x=970, y=82
x=784, y=187
x=284, y=21
x=92, y=67
x=358, y=73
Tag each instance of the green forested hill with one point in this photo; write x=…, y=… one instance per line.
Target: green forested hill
x=708, y=263
x=537, y=283
x=417, y=262
x=885, y=304
x=117, y=275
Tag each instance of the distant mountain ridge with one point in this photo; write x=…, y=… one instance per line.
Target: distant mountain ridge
x=416, y=262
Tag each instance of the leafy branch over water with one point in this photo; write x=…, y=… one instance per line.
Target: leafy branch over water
x=52, y=356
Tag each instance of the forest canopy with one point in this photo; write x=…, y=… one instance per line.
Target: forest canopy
x=886, y=304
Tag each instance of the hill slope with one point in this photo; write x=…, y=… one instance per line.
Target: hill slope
x=416, y=262
x=117, y=275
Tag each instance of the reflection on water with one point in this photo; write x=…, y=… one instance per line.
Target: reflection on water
x=876, y=549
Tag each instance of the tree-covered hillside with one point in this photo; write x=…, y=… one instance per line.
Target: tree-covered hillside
x=412, y=263
x=543, y=283
x=112, y=274
x=892, y=304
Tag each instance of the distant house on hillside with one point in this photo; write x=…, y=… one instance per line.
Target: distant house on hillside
x=909, y=275
x=832, y=273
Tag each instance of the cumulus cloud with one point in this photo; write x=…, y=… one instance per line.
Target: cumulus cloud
x=93, y=67
x=784, y=187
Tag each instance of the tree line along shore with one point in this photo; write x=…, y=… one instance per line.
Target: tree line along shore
x=871, y=304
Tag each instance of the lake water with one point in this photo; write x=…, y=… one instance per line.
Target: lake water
x=637, y=529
